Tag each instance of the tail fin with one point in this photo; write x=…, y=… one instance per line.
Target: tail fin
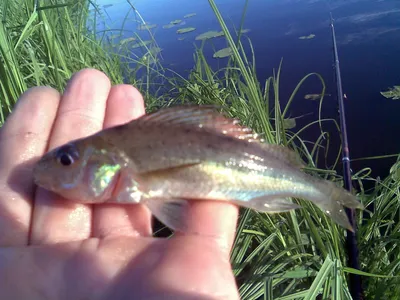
x=334, y=198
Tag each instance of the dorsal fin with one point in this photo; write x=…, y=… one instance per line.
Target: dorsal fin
x=203, y=116
x=208, y=118
x=188, y=114
x=284, y=154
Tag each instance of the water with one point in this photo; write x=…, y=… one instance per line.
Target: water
x=367, y=32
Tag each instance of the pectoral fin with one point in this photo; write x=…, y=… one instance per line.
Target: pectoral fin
x=170, y=212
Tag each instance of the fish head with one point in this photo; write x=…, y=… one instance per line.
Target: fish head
x=82, y=170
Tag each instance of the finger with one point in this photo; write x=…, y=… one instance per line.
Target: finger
x=81, y=113
x=216, y=219
x=124, y=104
x=23, y=138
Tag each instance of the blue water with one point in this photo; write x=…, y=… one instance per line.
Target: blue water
x=368, y=35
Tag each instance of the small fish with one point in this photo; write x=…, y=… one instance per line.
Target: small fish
x=314, y=96
x=185, y=153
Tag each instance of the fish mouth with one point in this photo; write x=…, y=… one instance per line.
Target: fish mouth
x=37, y=178
x=42, y=177
x=41, y=182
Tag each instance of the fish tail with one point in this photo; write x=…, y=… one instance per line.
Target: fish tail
x=332, y=199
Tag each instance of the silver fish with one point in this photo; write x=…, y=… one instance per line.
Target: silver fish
x=186, y=153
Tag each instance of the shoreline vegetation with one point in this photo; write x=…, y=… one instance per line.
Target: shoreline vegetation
x=296, y=255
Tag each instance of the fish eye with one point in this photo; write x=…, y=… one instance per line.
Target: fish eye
x=67, y=155
x=65, y=159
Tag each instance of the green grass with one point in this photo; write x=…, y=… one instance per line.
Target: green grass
x=296, y=255
x=46, y=44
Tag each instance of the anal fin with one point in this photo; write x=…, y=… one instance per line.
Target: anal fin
x=269, y=204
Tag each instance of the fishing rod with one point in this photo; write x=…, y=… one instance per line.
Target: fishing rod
x=351, y=241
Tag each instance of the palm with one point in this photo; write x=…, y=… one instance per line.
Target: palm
x=96, y=252
x=119, y=268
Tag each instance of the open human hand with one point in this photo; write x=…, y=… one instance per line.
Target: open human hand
x=54, y=249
